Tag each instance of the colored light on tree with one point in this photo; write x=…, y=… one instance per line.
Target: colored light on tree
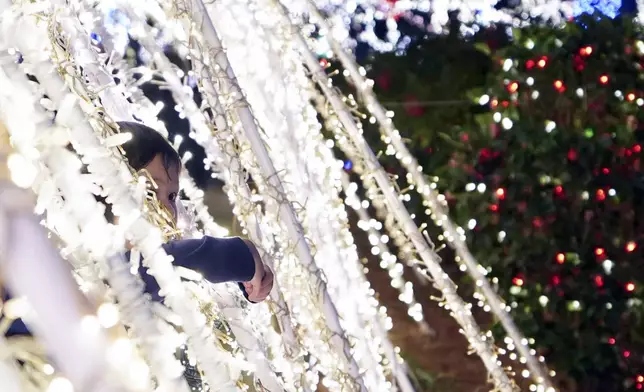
x=599, y=281
x=601, y=195
x=561, y=258
x=630, y=287
x=572, y=155
x=630, y=246
x=513, y=87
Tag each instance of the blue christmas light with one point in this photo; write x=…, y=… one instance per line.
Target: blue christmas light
x=348, y=165
x=96, y=38
x=609, y=8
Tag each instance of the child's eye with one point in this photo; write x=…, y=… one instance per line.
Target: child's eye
x=172, y=196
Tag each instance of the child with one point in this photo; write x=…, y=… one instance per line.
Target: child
x=217, y=259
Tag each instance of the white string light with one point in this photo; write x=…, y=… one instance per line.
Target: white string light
x=303, y=151
x=36, y=148
x=434, y=201
x=346, y=123
x=211, y=228
x=142, y=235
x=169, y=77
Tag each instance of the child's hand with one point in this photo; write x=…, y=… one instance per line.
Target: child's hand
x=261, y=284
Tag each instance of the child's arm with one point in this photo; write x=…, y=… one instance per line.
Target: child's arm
x=218, y=260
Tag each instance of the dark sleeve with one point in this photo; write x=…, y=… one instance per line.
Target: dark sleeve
x=217, y=259
x=17, y=327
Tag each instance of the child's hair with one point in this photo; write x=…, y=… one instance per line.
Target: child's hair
x=145, y=144
x=140, y=150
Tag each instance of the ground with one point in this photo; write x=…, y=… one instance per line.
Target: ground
x=440, y=362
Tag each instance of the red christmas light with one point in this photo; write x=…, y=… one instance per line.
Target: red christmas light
x=529, y=64
x=558, y=84
x=561, y=258
x=627, y=353
x=537, y=222
x=611, y=340
x=542, y=62
x=599, y=281
x=513, y=87
x=603, y=79
x=324, y=63
x=586, y=51
x=639, y=378
x=494, y=207
x=639, y=386
x=558, y=190
x=630, y=287
x=630, y=246
x=494, y=103
x=517, y=281
x=572, y=155
x=630, y=97
x=556, y=280
x=601, y=195
x=599, y=251
x=637, y=148
x=500, y=193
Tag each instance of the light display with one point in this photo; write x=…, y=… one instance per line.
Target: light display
x=322, y=319
x=434, y=202
x=609, y=8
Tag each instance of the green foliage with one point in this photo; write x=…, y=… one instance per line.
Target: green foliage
x=561, y=143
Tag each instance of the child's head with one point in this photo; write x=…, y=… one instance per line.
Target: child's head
x=148, y=149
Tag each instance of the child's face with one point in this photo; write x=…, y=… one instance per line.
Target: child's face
x=167, y=181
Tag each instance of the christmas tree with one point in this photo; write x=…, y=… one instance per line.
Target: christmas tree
x=542, y=164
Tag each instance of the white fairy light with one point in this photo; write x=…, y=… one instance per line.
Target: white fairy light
x=430, y=196
x=19, y=113
x=311, y=155
x=189, y=112
x=108, y=175
x=212, y=228
x=459, y=310
x=388, y=261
